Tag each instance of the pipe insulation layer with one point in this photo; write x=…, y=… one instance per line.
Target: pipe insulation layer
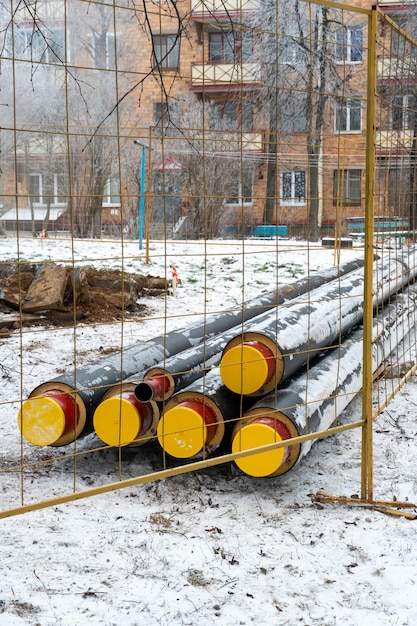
x=58, y=411
x=313, y=401
x=273, y=347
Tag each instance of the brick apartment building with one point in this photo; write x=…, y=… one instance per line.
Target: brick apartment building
x=150, y=59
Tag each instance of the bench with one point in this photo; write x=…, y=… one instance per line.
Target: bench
x=380, y=235
x=270, y=230
x=357, y=224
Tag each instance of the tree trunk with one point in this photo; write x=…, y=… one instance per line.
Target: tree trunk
x=313, y=212
x=412, y=190
x=317, y=124
x=271, y=176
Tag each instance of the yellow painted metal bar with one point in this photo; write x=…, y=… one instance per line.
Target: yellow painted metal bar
x=367, y=430
x=168, y=473
x=388, y=507
x=397, y=27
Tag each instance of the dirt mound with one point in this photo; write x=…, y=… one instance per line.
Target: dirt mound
x=55, y=295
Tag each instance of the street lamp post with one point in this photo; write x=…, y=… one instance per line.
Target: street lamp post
x=144, y=147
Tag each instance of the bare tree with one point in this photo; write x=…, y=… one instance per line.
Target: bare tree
x=214, y=175
x=298, y=75
x=69, y=108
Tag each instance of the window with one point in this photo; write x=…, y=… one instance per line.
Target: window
x=400, y=45
x=161, y=116
x=348, y=115
x=60, y=188
x=292, y=112
x=400, y=189
x=230, y=47
x=38, y=193
x=104, y=49
x=349, y=44
x=111, y=191
x=35, y=188
x=34, y=44
x=347, y=186
x=241, y=190
x=247, y=116
x=293, y=188
x=166, y=49
x=235, y=115
x=244, y=47
x=222, y=47
x=403, y=111
x=292, y=51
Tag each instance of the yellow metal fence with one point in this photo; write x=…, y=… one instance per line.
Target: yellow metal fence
x=200, y=271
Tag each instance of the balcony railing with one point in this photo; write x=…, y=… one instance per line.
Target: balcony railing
x=402, y=4
x=207, y=9
x=401, y=67
x=394, y=141
x=248, y=142
x=223, y=75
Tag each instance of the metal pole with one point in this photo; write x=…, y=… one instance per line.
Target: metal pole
x=142, y=190
x=147, y=206
x=367, y=431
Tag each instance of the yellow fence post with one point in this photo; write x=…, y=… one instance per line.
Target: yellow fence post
x=367, y=453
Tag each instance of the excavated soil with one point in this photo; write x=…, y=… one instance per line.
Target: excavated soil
x=103, y=296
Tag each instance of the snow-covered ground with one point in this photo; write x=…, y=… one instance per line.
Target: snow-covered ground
x=214, y=546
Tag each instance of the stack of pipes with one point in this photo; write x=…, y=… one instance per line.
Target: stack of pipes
x=272, y=348
x=61, y=410
x=242, y=373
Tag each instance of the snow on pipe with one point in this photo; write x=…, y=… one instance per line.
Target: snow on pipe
x=196, y=372
x=121, y=419
x=271, y=350
x=180, y=370
x=314, y=401
x=58, y=411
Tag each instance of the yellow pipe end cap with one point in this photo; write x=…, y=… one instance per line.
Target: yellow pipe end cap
x=182, y=432
x=244, y=369
x=263, y=463
x=41, y=421
x=117, y=421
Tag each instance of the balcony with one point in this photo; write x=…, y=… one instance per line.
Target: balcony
x=398, y=4
x=223, y=76
x=209, y=10
x=402, y=67
x=247, y=142
x=394, y=142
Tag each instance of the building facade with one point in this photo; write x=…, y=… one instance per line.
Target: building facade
x=196, y=106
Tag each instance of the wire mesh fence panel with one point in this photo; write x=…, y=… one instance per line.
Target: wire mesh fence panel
x=207, y=237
